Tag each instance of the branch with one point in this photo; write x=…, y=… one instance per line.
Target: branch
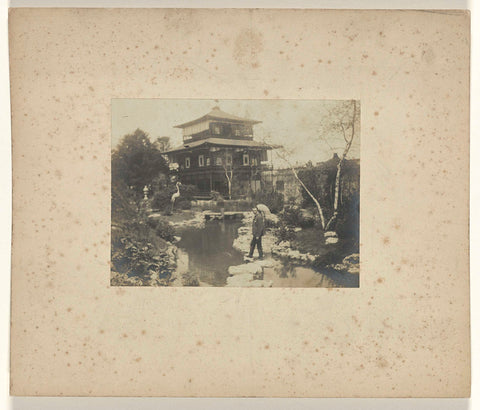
x=349, y=142
x=322, y=219
x=344, y=132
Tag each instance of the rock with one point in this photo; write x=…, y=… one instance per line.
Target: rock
x=354, y=270
x=258, y=275
x=284, y=244
x=331, y=240
x=177, y=238
x=330, y=234
x=285, y=251
x=297, y=229
x=293, y=254
x=240, y=280
x=266, y=263
x=353, y=258
x=122, y=279
x=260, y=284
x=350, y=264
x=171, y=252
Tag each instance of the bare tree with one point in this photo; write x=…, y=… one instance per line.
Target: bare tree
x=348, y=117
x=228, y=168
x=283, y=154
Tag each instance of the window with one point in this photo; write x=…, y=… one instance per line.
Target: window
x=229, y=159
x=216, y=129
x=201, y=160
x=245, y=159
x=237, y=132
x=208, y=161
x=187, y=162
x=263, y=155
x=254, y=161
x=218, y=161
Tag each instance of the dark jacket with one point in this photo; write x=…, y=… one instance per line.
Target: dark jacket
x=258, y=225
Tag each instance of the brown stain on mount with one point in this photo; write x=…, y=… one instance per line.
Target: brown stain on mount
x=248, y=46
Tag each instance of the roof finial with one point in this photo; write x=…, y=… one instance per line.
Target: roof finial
x=216, y=108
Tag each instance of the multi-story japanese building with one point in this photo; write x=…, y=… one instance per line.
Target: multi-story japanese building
x=220, y=154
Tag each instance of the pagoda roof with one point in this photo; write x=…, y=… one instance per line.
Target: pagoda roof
x=218, y=114
x=223, y=142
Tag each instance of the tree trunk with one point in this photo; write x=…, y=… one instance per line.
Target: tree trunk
x=228, y=174
x=317, y=204
x=229, y=182
x=333, y=220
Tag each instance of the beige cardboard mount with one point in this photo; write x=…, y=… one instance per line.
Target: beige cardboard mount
x=403, y=333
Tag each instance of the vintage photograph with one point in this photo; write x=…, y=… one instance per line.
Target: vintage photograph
x=235, y=193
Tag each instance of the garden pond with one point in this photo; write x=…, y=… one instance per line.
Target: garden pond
x=208, y=252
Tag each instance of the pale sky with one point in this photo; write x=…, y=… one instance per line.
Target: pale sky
x=301, y=126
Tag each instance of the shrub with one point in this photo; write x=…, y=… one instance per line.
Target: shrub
x=326, y=259
x=124, y=204
x=295, y=216
x=291, y=216
x=138, y=247
x=190, y=279
x=135, y=256
x=272, y=223
x=163, y=229
x=184, y=204
x=307, y=220
x=348, y=223
x=285, y=233
x=162, y=199
x=187, y=192
x=274, y=200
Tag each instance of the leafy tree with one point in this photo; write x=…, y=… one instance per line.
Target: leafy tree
x=163, y=143
x=136, y=161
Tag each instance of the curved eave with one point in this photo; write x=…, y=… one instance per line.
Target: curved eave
x=210, y=117
x=213, y=144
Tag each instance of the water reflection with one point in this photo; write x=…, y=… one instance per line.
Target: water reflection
x=286, y=270
x=208, y=253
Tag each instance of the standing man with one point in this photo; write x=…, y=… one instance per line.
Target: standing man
x=258, y=228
